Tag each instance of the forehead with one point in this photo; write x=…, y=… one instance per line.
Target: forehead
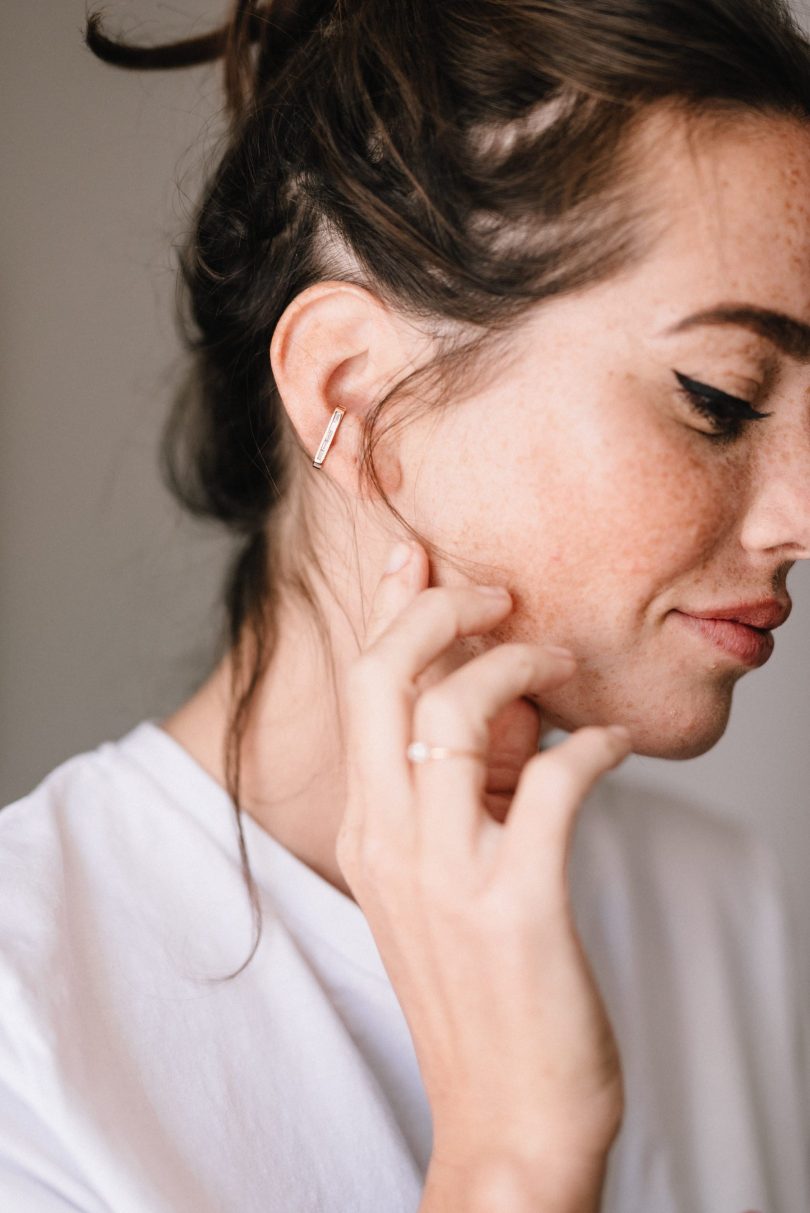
x=734, y=205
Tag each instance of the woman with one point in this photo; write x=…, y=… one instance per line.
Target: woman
x=521, y=292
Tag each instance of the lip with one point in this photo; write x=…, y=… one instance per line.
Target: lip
x=763, y=615
x=752, y=646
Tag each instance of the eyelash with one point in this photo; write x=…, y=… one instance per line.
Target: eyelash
x=729, y=412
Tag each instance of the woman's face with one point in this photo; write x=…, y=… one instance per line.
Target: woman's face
x=593, y=486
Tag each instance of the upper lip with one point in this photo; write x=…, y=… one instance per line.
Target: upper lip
x=765, y=614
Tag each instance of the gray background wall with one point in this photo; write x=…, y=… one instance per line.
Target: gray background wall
x=108, y=593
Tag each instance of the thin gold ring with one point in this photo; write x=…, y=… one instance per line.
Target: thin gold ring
x=420, y=751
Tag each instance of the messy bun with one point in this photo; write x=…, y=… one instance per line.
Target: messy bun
x=275, y=29
x=465, y=160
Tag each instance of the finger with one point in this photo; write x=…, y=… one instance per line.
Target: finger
x=449, y=806
x=536, y=838
x=382, y=690
x=378, y=712
x=404, y=575
x=419, y=634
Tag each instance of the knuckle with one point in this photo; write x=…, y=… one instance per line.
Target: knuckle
x=362, y=671
x=524, y=659
x=442, y=714
x=436, y=705
x=440, y=600
x=367, y=859
x=375, y=855
x=378, y=861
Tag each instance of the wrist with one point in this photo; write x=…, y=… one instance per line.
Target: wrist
x=501, y=1184
x=504, y=1186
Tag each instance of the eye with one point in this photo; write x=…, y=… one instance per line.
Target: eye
x=729, y=413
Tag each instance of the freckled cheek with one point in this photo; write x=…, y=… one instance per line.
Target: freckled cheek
x=651, y=516
x=611, y=517
x=614, y=530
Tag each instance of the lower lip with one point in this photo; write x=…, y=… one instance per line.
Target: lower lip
x=747, y=644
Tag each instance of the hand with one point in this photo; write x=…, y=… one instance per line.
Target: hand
x=471, y=914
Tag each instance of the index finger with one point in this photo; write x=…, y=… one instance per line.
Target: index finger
x=381, y=685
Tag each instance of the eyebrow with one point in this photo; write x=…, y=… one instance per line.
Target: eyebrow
x=789, y=335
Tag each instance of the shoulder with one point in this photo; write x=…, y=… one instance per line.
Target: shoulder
x=103, y=809
x=69, y=821
x=39, y=830
x=102, y=864
x=57, y=850
x=45, y=836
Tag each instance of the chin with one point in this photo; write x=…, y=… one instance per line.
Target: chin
x=676, y=747
x=673, y=735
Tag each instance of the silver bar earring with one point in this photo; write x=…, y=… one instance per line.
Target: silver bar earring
x=328, y=435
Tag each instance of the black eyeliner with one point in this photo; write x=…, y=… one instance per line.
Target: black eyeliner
x=736, y=407
x=729, y=412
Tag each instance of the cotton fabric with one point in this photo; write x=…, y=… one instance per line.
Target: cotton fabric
x=131, y=1082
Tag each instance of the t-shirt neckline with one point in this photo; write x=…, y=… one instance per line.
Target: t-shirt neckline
x=306, y=900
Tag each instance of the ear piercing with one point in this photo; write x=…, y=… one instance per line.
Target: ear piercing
x=328, y=435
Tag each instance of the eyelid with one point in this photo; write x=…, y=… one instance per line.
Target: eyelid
x=742, y=408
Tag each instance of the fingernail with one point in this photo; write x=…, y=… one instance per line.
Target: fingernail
x=619, y=730
x=398, y=558
x=559, y=651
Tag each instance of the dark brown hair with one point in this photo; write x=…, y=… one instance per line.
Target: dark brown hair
x=463, y=159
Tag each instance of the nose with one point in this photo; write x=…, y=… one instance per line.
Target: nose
x=778, y=514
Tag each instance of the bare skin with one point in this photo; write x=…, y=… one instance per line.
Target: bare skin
x=580, y=475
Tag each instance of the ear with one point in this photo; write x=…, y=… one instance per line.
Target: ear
x=337, y=344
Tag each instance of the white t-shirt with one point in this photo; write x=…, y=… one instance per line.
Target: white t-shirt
x=130, y=1084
